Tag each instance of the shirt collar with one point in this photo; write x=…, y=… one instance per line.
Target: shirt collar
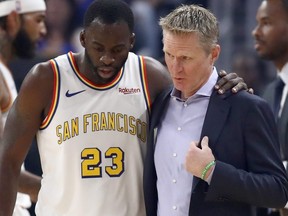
x=284, y=73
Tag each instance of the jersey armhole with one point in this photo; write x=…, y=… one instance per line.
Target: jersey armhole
x=55, y=98
x=144, y=82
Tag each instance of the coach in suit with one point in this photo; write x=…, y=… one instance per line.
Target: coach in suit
x=271, y=39
x=208, y=154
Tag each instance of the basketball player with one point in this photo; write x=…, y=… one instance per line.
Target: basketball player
x=21, y=26
x=90, y=112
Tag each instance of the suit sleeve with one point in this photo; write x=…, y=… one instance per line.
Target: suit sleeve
x=260, y=178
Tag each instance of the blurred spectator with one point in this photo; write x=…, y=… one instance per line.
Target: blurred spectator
x=59, y=20
x=64, y=20
x=147, y=14
x=146, y=29
x=252, y=69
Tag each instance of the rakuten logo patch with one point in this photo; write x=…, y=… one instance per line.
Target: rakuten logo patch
x=129, y=90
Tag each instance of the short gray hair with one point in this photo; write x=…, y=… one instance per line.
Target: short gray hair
x=193, y=18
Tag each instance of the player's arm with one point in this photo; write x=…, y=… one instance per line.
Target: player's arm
x=24, y=119
x=30, y=184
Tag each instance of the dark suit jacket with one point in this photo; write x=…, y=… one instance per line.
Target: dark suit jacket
x=282, y=123
x=249, y=172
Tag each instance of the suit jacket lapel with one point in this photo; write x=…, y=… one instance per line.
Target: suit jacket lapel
x=215, y=119
x=158, y=109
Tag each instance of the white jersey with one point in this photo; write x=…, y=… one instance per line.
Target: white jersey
x=93, y=142
x=23, y=200
x=9, y=82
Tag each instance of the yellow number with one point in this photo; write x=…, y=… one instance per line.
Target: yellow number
x=91, y=164
x=117, y=167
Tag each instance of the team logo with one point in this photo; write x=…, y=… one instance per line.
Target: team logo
x=69, y=94
x=126, y=91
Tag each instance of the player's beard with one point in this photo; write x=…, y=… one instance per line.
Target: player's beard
x=23, y=45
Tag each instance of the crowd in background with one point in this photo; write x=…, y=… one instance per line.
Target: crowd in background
x=236, y=19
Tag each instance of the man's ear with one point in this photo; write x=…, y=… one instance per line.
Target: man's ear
x=82, y=38
x=132, y=41
x=215, y=53
x=13, y=24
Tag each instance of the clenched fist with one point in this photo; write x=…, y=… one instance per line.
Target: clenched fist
x=198, y=158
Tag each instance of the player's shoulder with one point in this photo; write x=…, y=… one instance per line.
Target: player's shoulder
x=153, y=64
x=42, y=68
x=157, y=76
x=46, y=68
x=40, y=74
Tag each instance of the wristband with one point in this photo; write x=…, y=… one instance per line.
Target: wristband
x=205, y=170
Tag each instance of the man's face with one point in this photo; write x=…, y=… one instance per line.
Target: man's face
x=32, y=30
x=271, y=32
x=106, y=48
x=189, y=65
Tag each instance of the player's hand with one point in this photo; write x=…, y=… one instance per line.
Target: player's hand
x=231, y=81
x=197, y=158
